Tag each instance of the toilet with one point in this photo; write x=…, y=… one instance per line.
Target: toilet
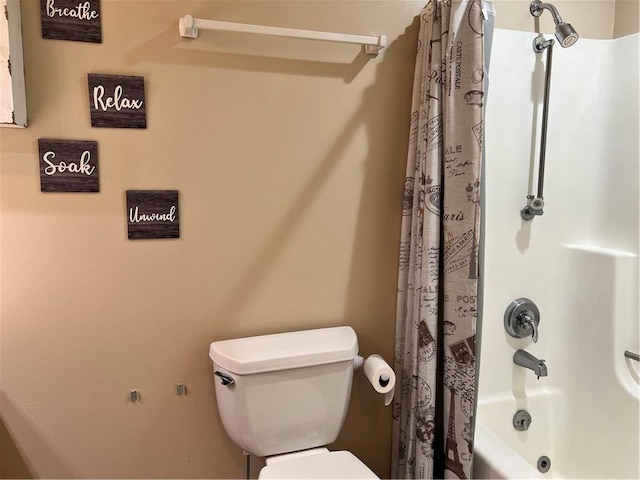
x=285, y=397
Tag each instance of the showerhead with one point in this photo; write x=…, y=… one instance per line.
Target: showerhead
x=565, y=33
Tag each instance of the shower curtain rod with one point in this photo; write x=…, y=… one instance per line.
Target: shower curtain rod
x=189, y=27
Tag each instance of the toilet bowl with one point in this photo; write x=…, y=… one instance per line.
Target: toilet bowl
x=316, y=463
x=285, y=396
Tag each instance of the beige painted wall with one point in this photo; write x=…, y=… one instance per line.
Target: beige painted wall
x=627, y=18
x=289, y=157
x=591, y=18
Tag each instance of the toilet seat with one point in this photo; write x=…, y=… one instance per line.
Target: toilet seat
x=316, y=463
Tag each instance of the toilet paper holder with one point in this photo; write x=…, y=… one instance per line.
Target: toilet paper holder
x=379, y=373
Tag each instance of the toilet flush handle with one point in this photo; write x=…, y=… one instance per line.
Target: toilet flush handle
x=224, y=378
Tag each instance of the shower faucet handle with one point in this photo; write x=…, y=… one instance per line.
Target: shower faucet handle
x=522, y=318
x=527, y=322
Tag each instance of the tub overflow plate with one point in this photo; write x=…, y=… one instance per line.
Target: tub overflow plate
x=521, y=420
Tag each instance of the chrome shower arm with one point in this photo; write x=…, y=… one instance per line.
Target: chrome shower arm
x=536, y=8
x=565, y=33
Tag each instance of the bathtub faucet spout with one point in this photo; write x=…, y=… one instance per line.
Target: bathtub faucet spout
x=526, y=360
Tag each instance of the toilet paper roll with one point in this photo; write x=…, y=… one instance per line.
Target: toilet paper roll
x=381, y=376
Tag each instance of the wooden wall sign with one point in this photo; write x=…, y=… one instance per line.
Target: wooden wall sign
x=117, y=101
x=152, y=214
x=77, y=20
x=68, y=166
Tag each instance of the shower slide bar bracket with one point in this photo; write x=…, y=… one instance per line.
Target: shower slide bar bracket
x=190, y=26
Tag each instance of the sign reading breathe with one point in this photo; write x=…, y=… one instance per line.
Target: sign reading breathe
x=68, y=165
x=152, y=214
x=75, y=20
x=117, y=101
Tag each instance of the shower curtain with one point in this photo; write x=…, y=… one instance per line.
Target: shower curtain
x=438, y=272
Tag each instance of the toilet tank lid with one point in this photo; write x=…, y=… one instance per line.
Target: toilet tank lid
x=283, y=351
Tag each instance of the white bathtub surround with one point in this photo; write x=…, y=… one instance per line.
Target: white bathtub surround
x=578, y=262
x=495, y=459
x=438, y=277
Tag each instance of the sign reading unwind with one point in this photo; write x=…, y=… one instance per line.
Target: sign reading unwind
x=152, y=214
x=117, y=101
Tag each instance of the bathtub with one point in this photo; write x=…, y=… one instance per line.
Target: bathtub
x=585, y=415
x=604, y=447
x=578, y=263
x=489, y=448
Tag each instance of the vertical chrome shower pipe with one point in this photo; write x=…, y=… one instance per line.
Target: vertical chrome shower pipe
x=567, y=36
x=535, y=204
x=545, y=118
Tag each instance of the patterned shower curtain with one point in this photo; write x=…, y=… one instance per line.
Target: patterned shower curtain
x=438, y=273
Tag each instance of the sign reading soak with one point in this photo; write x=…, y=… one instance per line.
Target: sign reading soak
x=74, y=20
x=68, y=165
x=117, y=101
x=152, y=214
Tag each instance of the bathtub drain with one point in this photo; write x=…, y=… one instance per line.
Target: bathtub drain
x=544, y=464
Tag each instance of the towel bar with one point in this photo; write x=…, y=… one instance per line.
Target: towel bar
x=632, y=356
x=189, y=27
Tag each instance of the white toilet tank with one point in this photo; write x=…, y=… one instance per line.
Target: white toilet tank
x=284, y=392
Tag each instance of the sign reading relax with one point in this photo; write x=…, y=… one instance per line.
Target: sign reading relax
x=68, y=165
x=152, y=214
x=75, y=20
x=117, y=101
